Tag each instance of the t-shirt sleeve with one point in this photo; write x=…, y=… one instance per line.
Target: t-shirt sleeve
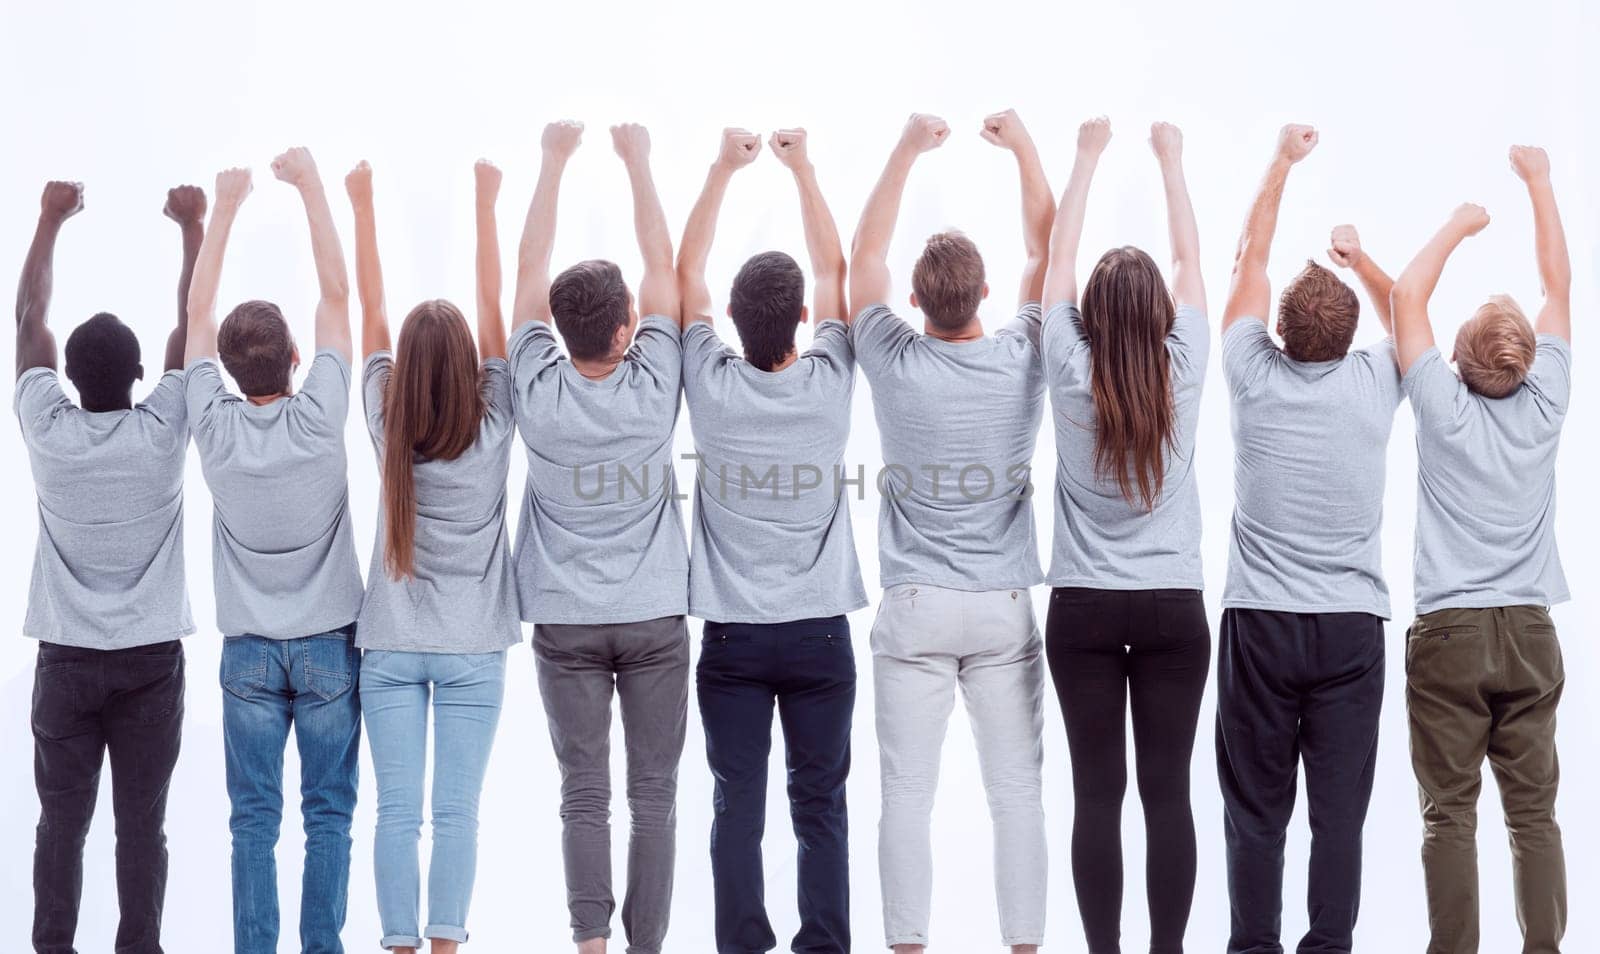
x=375, y=374
x=1189, y=344
x=1028, y=322
x=205, y=396
x=1247, y=353
x=658, y=351
x=831, y=343
x=325, y=396
x=1433, y=388
x=498, y=410
x=39, y=399
x=1059, y=340
x=1384, y=363
x=1550, y=378
x=704, y=352
x=879, y=336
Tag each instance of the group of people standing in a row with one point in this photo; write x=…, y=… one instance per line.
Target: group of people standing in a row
x=602, y=569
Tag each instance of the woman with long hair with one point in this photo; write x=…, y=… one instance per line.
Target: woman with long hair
x=1127, y=624
x=441, y=602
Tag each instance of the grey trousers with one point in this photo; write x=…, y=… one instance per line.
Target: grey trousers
x=647, y=663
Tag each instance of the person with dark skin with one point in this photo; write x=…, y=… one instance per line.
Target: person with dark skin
x=108, y=602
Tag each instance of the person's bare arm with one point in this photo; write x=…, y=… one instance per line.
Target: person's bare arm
x=658, y=289
x=1061, y=279
x=1250, y=294
x=1005, y=129
x=739, y=148
x=1532, y=166
x=1188, y=287
x=232, y=187
x=186, y=205
x=1413, y=334
x=36, y=345
x=491, y=321
x=869, y=250
x=531, y=298
x=369, y=269
x=822, y=234
x=1344, y=247
x=297, y=168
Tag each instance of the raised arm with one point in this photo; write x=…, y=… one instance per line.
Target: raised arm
x=186, y=205
x=491, y=322
x=1005, y=129
x=1188, y=288
x=297, y=168
x=232, y=187
x=1532, y=166
x=36, y=346
x=869, y=251
x=739, y=148
x=1345, y=249
x=1061, y=280
x=531, y=299
x=369, y=270
x=1413, y=334
x=1250, y=295
x=658, y=289
x=822, y=235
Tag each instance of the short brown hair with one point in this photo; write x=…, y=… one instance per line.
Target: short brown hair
x=256, y=348
x=1494, y=349
x=948, y=280
x=1317, y=315
x=589, y=302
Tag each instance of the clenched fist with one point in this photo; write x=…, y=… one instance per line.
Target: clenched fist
x=296, y=167
x=61, y=200
x=1093, y=135
x=631, y=141
x=1005, y=130
x=1531, y=163
x=1296, y=141
x=1166, y=141
x=924, y=132
x=1469, y=219
x=486, y=181
x=789, y=145
x=358, y=183
x=561, y=139
x=1344, y=246
x=186, y=205
x=232, y=186
x=739, y=148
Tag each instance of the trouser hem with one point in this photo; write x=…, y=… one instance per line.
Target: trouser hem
x=445, y=932
x=589, y=934
x=392, y=941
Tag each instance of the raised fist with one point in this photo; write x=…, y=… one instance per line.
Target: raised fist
x=61, y=200
x=358, y=183
x=1166, y=141
x=486, y=180
x=739, y=148
x=1005, y=130
x=924, y=132
x=1469, y=219
x=1344, y=247
x=1295, y=141
x=561, y=139
x=789, y=145
x=232, y=186
x=1530, y=163
x=186, y=205
x=296, y=167
x=1093, y=135
x=631, y=141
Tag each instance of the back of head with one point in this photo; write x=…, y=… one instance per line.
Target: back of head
x=103, y=362
x=256, y=348
x=949, y=280
x=590, y=301
x=432, y=408
x=1317, y=315
x=1127, y=315
x=767, y=304
x=1495, y=348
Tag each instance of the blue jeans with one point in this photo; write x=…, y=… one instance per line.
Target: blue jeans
x=271, y=684
x=466, y=690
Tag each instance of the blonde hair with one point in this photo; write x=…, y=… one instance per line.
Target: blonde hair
x=1494, y=349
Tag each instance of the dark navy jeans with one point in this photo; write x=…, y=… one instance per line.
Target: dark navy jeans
x=271, y=685
x=807, y=668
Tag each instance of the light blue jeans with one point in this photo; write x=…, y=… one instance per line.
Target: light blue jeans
x=466, y=691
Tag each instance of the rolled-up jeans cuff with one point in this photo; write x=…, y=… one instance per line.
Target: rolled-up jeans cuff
x=392, y=941
x=445, y=932
x=579, y=935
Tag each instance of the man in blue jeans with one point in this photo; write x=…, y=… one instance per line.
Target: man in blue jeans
x=284, y=568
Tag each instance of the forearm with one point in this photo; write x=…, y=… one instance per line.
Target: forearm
x=35, y=344
x=878, y=217
x=491, y=323
x=1067, y=232
x=177, y=342
x=333, y=282
x=658, y=289
x=695, y=249
x=1038, y=220
x=1550, y=242
x=202, y=337
x=1409, y=295
x=1379, y=287
x=1184, y=233
x=369, y=280
x=823, y=246
x=1255, y=242
x=532, y=301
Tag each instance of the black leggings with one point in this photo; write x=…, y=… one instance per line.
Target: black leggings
x=1103, y=646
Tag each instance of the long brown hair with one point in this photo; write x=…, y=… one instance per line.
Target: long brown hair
x=1127, y=315
x=432, y=408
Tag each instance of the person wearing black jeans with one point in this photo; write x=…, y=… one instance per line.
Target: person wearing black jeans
x=86, y=703
x=808, y=668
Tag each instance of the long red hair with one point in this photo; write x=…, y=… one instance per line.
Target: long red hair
x=432, y=408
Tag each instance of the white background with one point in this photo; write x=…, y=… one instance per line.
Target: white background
x=1416, y=108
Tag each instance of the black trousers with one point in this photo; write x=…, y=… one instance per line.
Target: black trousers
x=1151, y=649
x=87, y=702
x=808, y=669
x=1296, y=688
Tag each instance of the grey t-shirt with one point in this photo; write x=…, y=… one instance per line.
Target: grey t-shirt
x=1102, y=541
x=108, y=566
x=1309, y=442
x=771, y=533
x=283, y=558
x=958, y=421
x=601, y=536
x=1486, y=484
x=462, y=596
